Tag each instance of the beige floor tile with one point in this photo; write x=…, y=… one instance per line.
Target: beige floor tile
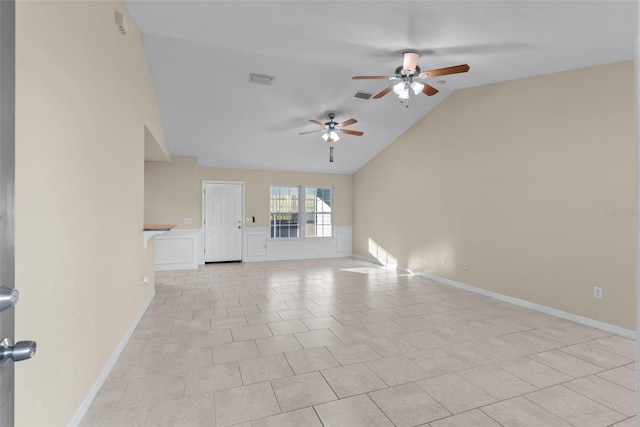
x=243, y=309
x=211, y=338
x=287, y=327
x=152, y=389
x=130, y=417
x=352, y=352
x=522, y=412
x=234, y=351
x=189, y=411
x=622, y=376
x=246, y=403
x=629, y=422
x=264, y=369
x=303, y=417
x=562, y=336
x=302, y=391
x=295, y=313
x=534, y=340
x=263, y=317
x=324, y=310
x=456, y=393
x=385, y=328
x=317, y=338
x=353, y=318
x=109, y=396
x=397, y=370
x=390, y=346
x=475, y=418
x=212, y=313
x=244, y=333
x=212, y=378
x=190, y=326
x=352, y=379
x=309, y=360
x=437, y=362
x=381, y=313
x=277, y=344
x=321, y=322
x=615, y=344
x=497, y=382
x=408, y=405
x=272, y=306
x=352, y=412
x=574, y=408
x=424, y=340
x=228, y=322
x=353, y=332
x=606, y=393
x=566, y=363
x=596, y=356
x=533, y=372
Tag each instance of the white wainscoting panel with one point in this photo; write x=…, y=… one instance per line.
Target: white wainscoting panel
x=260, y=247
x=178, y=250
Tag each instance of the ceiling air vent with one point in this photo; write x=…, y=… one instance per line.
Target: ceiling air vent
x=363, y=95
x=260, y=79
x=121, y=22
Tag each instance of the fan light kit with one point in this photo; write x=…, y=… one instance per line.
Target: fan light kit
x=409, y=75
x=331, y=129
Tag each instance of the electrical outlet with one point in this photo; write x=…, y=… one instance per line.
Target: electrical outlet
x=465, y=265
x=144, y=282
x=597, y=292
x=444, y=261
x=187, y=220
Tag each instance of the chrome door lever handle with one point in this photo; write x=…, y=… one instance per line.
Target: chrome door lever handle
x=8, y=297
x=22, y=350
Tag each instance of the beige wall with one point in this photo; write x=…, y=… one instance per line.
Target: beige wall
x=83, y=97
x=532, y=182
x=173, y=191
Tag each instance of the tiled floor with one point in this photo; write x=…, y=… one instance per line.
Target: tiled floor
x=345, y=343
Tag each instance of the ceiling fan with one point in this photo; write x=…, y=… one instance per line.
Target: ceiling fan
x=331, y=130
x=408, y=77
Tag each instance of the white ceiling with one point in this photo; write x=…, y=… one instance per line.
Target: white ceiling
x=201, y=54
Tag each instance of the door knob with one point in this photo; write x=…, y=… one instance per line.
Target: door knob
x=8, y=297
x=22, y=350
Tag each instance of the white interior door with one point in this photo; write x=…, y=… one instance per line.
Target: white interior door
x=223, y=211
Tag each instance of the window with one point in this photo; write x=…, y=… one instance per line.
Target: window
x=286, y=211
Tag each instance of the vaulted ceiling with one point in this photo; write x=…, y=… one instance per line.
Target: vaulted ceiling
x=202, y=52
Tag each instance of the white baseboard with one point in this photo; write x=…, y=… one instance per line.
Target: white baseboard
x=95, y=389
x=607, y=327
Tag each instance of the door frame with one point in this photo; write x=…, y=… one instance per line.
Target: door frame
x=244, y=219
x=7, y=199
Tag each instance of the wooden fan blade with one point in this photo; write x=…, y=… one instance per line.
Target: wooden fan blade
x=347, y=123
x=383, y=93
x=429, y=90
x=352, y=132
x=317, y=122
x=311, y=131
x=372, y=77
x=447, y=70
